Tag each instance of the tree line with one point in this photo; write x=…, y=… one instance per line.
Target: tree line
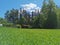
x=48, y=17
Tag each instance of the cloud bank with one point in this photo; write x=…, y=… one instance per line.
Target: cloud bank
x=30, y=7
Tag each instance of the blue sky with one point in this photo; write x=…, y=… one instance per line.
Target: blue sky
x=9, y=4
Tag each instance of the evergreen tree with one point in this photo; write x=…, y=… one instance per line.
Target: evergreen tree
x=58, y=17
x=52, y=16
x=43, y=14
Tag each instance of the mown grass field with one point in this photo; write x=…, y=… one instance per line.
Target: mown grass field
x=15, y=36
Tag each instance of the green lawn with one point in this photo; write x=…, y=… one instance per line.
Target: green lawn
x=15, y=36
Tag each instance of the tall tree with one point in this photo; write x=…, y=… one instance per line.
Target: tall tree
x=12, y=16
x=26, y=17
x=52, y=16
x=7, y=15
x=20, y=21
x=44, y=9
x=43, y=13
x=58, y=17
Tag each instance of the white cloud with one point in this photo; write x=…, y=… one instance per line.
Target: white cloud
x=30, y=7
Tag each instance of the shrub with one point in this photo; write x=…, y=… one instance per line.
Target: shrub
x=26, y=26
x=8, y=24
x=18, y=26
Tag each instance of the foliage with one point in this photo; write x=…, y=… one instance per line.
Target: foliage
x=8, y=24
x=58, y=17
x=12, y=16
x=18, y=26
x=50, y=11
x=47, y=18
